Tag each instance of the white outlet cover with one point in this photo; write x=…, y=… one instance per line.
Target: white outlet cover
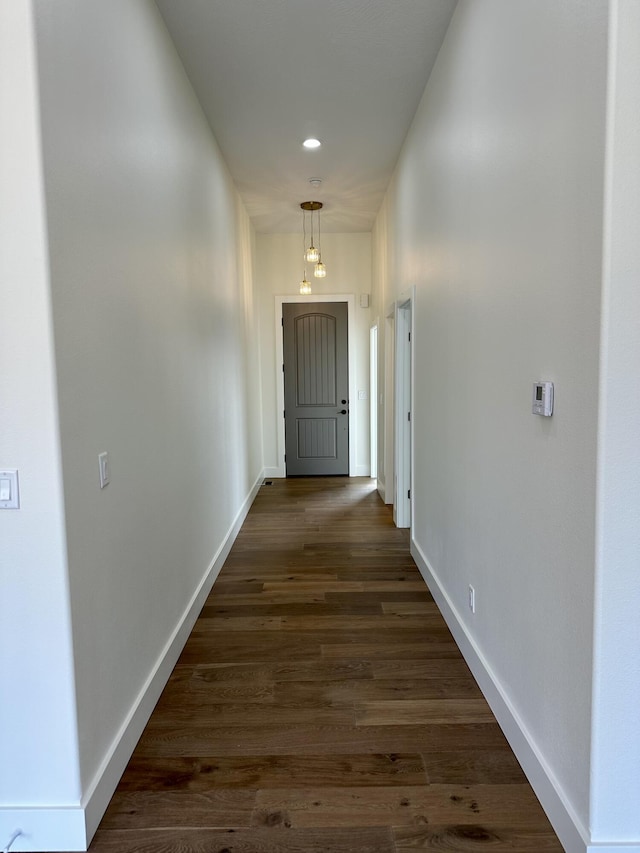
x=472, y=599
x=103, y=464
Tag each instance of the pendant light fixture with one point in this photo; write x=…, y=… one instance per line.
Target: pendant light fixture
x=311, y=254
x=305, y=286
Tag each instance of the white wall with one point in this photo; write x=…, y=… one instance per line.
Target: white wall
x=38, y=744
x=616, y=689
x=495, y=214
x=156, y=360
x=279, y=268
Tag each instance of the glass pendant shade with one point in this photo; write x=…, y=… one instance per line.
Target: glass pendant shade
x=312, y=255
x=305, y=286
x=320, y=270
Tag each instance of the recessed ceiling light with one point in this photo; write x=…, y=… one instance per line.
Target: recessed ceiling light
x=312, y=143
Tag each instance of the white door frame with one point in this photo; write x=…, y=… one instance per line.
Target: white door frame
x=373, y=400
x=386, y=483
x=403, y=444
x=279, y=300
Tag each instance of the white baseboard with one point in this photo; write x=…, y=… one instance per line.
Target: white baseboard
x=360, y=471
x=49, y=828
x=572, y=834
x=71, y=829
x=382, y=490
x=607, y=847
x=277, y=473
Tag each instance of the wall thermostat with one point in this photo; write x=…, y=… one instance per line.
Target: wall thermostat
x=542, y=403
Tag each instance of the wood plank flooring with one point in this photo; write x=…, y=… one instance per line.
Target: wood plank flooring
x=321, y=705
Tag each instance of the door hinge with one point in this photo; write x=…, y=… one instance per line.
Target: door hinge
x=408, y=416
x=282, y=321
x=285, y=457
x=284, y=413
x=409, y=494
x=283, y=368
x=409, y=337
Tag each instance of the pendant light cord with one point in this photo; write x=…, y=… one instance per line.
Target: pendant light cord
x=304, y=233
x=304, y=241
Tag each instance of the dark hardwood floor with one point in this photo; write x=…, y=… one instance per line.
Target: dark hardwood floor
x=321, y=705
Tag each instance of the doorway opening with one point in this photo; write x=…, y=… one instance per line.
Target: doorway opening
x=386, y=476
x=373, y=400
x=403, y=426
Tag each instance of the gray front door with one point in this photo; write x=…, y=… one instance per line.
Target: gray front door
x=316, y=383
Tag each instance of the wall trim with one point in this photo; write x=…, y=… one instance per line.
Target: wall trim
x=360, y=471
x=100, y=791
x=608, y=847
x=274, y=472
x=570, y=830
x=50, y=828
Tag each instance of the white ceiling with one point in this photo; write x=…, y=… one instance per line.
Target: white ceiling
x=269, y=73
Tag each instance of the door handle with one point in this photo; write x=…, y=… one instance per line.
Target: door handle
x=342, y=412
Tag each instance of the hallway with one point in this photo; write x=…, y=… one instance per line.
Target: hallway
x=321, y=705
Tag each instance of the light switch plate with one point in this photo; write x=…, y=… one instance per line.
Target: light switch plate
x=9, y=490
x=103, y=463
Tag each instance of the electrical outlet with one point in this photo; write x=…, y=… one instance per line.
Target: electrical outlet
x=472, y=599
x=9, y=492
x=105, y=469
